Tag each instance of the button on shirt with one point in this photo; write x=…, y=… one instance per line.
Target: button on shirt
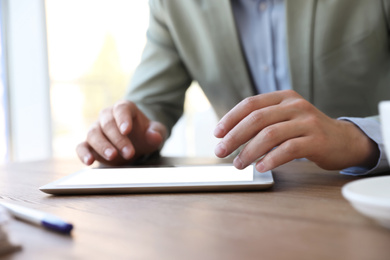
x=262, y=28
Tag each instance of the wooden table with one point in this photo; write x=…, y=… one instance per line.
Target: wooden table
x=304, y=216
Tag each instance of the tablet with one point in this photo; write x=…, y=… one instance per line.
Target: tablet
x=160, y=179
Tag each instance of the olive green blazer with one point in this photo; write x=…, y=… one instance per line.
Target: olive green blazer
x=338, y=52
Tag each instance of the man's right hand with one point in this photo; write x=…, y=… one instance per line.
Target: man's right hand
x=121, y=135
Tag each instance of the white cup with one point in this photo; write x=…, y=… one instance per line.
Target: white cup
x=384, y=114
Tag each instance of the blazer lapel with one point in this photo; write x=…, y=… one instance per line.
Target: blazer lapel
x=221, y=19
x=300, y=15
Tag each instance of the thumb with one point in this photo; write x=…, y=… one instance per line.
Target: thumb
x=156, y=134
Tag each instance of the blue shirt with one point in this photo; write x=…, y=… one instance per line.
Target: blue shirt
x=261, y=26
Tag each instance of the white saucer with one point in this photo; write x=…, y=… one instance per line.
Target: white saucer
x=371, y=197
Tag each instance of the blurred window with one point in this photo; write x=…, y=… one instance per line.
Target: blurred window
x=4, y=122
x=94, y=47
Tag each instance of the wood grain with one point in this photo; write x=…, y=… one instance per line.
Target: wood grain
x=304, y=216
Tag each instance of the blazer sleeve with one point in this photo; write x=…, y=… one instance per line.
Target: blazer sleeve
x=160, y=81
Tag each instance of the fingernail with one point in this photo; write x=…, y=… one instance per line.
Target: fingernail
x=220, y=150
x=108, y=153
x=238, y=163
x=87, y=158
x=126, y=152
x=219, y=131
x=261, y=167
x=124, y=127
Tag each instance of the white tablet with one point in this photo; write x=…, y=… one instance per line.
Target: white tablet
x=160, y=179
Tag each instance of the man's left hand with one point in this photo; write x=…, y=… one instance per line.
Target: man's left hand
x=282, y=126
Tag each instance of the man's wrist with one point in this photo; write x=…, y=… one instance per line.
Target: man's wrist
x=371, y=128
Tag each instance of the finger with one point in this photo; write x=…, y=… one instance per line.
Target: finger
x=266, y=140
x=117, y=160
x=249, y=127
x=146, y=136
x=284, y=153
x=124, y=112
x=156, y=133
x=152, y=138
x=110, y=129
x=244, y=108
x=85, y=154
x=100, y=144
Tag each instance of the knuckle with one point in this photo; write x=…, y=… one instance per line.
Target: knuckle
x=244, y=156
x=301, y=107
x=290, y=148
x=314, y=122
x=255, y=117
x=106, y=123
x=249, y=153
x=290, y=93
x=121, y=143
x=250, y=102
x=270, y=161
x=91, y=135
x=230, y=139
x=301, y=104
x=93, y=130
x=270, y=133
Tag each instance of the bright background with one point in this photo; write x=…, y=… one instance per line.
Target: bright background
x=94, y=47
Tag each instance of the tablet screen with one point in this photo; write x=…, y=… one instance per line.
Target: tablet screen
x=159, y=175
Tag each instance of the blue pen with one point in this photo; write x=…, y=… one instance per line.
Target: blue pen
x=39, y=218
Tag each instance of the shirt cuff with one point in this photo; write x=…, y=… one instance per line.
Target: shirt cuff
x=371, y=127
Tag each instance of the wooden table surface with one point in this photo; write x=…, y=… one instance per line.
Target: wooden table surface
x=304, y=216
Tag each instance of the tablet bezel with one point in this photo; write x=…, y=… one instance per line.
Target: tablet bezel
x=260, y=181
